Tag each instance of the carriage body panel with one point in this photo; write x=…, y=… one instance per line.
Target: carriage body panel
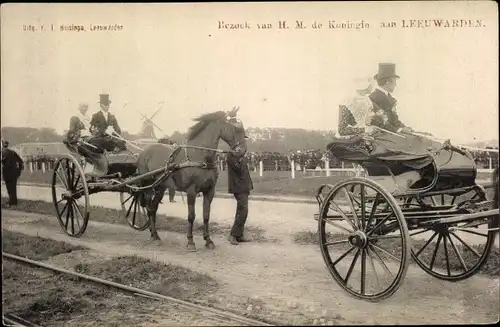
x=383, y=156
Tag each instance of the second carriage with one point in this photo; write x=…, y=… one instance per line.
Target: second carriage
x=420, y=200
x=141, y=176
x=117, y=173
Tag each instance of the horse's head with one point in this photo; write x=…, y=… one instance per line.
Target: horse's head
x=233, y=132
x=220, y=124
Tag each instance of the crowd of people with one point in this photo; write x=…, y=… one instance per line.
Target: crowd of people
x=311, y=159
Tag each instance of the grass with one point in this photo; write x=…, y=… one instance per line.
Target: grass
x=490, y=268
x=152, y=276
x=51, y=299
x=35, y=248
x=163, y=222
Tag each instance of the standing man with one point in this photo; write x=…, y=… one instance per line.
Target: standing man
x=104, y=124
x=239, y=184
x=12, y=165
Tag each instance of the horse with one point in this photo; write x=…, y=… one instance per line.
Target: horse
x=199, y=174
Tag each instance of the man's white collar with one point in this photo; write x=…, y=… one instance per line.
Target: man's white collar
x=381, y=89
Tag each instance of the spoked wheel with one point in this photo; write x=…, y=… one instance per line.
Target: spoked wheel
x=135, y=214
x=365, y=223
x=70, y=196
x=457, y=251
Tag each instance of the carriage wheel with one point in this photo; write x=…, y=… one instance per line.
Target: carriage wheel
x=70, y=196
x=367, y=224
x=447, y=251
x=135, y=214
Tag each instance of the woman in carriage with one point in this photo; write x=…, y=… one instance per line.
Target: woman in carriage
x=399, y=158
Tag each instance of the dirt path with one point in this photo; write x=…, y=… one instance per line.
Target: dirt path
x=280, y=220
x=286, y=280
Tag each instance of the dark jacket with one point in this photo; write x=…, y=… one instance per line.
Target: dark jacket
x=100, y=124
x=345, y=119
x=12, y=164
x=239, y=180
x=385, y=117
x=75, y=127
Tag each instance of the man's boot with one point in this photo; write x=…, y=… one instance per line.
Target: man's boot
x=232, y=240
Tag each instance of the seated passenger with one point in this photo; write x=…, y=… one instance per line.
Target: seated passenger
x=104, y=125
x=79, y=131
x=383, y=114
x=79, y=125
x=355, y=113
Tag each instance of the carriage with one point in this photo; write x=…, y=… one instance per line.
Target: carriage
x=141, y=176
x=419, y=200
x=72, y=186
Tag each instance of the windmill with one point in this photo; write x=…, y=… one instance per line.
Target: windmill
x=148, y=127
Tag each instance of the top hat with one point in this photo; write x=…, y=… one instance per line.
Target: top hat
x=386, y=70
x=104, y=99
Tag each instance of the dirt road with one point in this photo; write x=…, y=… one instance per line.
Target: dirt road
x=288, y=281
x=280, y=220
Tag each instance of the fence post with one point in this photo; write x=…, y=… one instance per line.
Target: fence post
x=327, y=167
x=261, y=168
x=43, y=167
x=30, y=164
x=293, y=169
x=491, y=165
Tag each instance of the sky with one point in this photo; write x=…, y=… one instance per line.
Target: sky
x=295, y=78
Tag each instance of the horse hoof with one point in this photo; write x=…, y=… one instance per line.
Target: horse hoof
x=210, y=246
x=191, y=248
x=155, y=240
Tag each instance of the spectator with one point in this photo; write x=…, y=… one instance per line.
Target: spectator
x=12, y=165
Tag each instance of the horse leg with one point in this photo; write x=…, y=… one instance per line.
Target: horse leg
x=148, y=201
x=155, y=197
x=191, y=199
x=207, y=202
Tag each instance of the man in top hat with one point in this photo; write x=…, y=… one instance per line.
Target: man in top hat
x=105, y=125
x=384, y=104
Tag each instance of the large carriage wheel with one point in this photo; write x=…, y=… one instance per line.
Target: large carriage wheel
x=447, y=251
x=368, y=224
x=135, y=214
x=70, y=196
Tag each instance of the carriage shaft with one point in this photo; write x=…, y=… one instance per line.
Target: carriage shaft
x=442, y=217
x=464, y=217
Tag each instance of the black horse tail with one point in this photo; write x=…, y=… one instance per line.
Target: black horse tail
x=495, y=185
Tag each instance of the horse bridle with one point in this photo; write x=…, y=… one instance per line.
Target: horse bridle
x=233, y=121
